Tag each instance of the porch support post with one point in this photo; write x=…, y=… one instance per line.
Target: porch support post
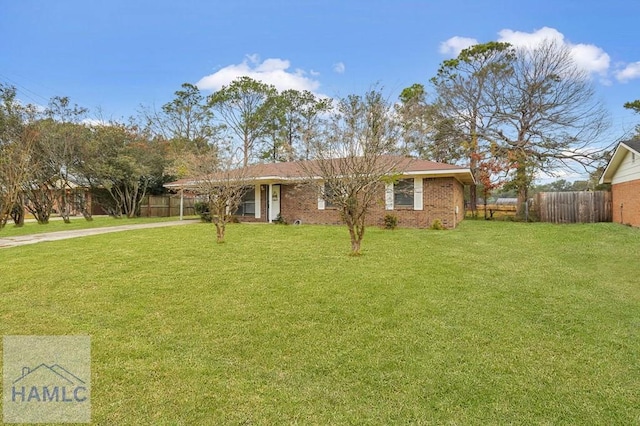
x=181, y=203
x=270, y=202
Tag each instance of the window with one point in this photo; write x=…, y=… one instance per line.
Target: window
x=328, y=195
x=247, y=206
x=403, y=193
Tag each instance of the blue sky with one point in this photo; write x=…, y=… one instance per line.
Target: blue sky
x=116, y=55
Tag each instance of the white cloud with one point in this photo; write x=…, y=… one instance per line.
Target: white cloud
x=531, y=40
x=271, y=71
x=456, y=44
x=630, y=72
x=589, y=57
x=95, y=122
x=339, y=67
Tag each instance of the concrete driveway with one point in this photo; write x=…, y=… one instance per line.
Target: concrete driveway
x=63, y=235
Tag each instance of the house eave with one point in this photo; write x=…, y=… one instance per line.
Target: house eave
x=615, y=161
x=464, y=176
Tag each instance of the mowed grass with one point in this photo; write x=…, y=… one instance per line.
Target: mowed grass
x=492, y=323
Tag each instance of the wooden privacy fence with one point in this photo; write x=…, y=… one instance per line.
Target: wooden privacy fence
x=166, y=206
x=573, y=206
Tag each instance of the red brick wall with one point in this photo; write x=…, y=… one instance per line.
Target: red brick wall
x=626, y=194
x=300, y=202
x=440, y=197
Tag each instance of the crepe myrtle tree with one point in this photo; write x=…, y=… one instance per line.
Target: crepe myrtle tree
x=121, y=159
x=352, y=159
x=219, y=175
x=61, y=134
x=17, y=144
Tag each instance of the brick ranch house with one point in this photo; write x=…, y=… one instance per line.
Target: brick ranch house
x=623, y=173
x=423, y=192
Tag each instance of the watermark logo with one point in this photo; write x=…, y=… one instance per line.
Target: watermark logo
x=46, y=379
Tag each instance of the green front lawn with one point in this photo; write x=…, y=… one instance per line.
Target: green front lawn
x=492, y=323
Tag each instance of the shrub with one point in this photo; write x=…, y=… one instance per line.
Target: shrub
x=437, y=225
x=202, y=210
x=390, y=221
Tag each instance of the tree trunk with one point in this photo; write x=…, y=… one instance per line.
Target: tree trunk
x=220, y=228
x=17, y=215
x=83, y=205
x=473, y=165
x=356, y=232
x=485, y=193
x=473, y=200
x=65, y=212
x=523, y=194
x=355, y=247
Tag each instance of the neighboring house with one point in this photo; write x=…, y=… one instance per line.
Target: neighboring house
x=423, y=192
x=623, y=173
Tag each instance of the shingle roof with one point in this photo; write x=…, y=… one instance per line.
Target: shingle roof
x=300, y=170
x=633, y=144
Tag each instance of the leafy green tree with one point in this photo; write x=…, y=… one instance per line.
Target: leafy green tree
x=123, y=161
x=61, y=135
x=633, y=105
x=186, y=124
x=242, y=107
x=17, y=146
x=292, y=119
x=426, y=133
x=465, y=88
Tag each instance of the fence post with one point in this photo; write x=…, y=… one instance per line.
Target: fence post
x=181, y=203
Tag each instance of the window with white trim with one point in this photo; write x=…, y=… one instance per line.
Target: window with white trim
x=403, y=193
x=247, y=205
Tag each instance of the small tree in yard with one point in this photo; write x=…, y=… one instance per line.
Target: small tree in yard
x=223, y=181
x=17, y=141
x=352, y=159
x=492, y=173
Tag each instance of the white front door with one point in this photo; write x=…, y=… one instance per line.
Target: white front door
x=274, y=201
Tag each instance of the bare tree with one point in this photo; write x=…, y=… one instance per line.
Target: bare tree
x=222, y=179
x=352, y=159
x=549, y=116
